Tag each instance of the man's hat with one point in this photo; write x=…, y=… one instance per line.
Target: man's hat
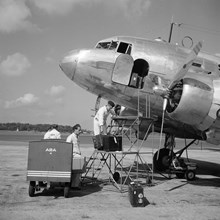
x=111, y=103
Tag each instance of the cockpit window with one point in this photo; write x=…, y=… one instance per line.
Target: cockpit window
x=107, y=45
x=121, y=47
x=124, y=48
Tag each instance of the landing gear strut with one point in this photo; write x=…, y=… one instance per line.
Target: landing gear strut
x=163, y=157
x=163, y=161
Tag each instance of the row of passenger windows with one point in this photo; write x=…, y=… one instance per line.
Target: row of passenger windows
x=120, y=47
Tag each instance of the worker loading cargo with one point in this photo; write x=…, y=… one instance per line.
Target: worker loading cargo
x=100, y=126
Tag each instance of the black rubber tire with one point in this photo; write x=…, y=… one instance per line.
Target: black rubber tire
x=164, y=160
x=31, y=190
x=116, y=176
x=190, y=175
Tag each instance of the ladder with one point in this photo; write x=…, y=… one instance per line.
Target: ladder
x=119, y=170
x=94, y=165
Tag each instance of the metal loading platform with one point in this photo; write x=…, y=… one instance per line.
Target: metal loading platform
x=120, y=168
x=127, y=163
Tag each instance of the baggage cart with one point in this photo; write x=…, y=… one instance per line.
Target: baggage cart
x=50, y=164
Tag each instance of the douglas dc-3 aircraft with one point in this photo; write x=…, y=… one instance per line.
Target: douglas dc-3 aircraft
x=182, y=85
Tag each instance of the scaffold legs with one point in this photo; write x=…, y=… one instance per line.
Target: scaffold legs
x=118, y=167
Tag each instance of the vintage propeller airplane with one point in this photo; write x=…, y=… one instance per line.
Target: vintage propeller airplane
x=182, y=85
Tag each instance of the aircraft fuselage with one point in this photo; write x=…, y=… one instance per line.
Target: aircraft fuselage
x=135, y=72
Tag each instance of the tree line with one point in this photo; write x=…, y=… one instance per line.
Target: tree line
x=14, y=126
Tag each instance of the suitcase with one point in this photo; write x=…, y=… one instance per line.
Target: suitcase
x=136, y=195
x=98, y=143
x=135, y=80
x=112, y=143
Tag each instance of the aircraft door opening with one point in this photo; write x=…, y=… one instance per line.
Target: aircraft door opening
x=139, y=71
x=122, y=70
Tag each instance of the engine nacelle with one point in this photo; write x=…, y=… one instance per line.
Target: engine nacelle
x=194, y=105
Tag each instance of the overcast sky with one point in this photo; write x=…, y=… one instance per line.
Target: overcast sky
x=35, y=34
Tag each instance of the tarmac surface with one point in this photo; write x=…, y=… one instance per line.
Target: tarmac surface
x=166, y=198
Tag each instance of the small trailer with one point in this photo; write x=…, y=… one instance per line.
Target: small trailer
x=51, y=164
x=183, y=169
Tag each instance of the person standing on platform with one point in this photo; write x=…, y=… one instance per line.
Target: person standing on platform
x=52, y=133
x=100, y=126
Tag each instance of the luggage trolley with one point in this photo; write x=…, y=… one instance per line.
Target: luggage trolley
x=50, y=164
x=183, y=169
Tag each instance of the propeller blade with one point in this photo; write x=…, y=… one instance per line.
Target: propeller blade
x=162, y=123
x=165, y=101
x=187, y=64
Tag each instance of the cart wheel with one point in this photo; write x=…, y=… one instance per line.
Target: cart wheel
x=116, y=176
x=180, y=175
x=66, y=190
x=31, y=190
x=190, y=175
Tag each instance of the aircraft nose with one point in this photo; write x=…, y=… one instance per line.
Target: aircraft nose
x=69, y=63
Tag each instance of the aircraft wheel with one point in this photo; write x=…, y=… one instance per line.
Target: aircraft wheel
x=190, y=175
x=31, y=189
x=163, y=162
x=116, y=176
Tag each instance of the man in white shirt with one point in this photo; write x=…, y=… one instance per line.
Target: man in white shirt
x=73, y=138
x=100, y=126
x=52, y=133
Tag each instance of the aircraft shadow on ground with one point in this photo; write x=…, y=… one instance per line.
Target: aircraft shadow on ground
x=207, y=168
x=214, y=182
x=59, y=192
x=210, y=171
